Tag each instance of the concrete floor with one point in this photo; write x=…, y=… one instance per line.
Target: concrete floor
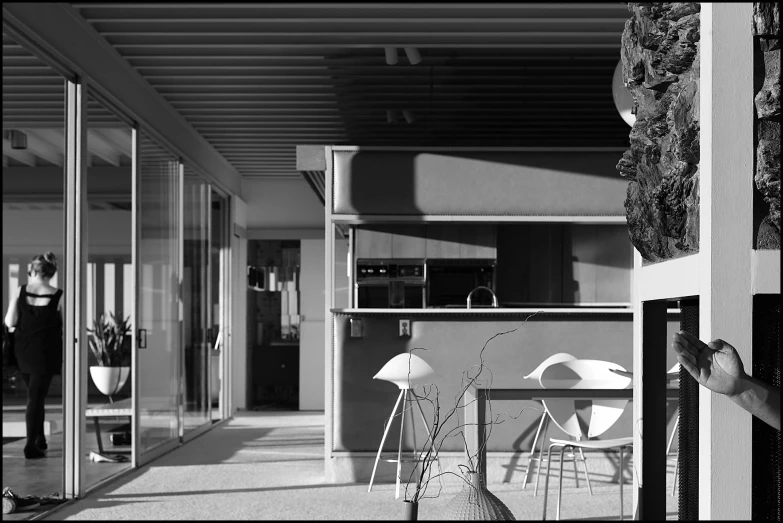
x=269, y=465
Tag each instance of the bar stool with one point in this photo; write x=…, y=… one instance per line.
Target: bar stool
x=407, y=371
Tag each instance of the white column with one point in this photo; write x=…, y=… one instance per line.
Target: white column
x=726, y=194
x=75, y=338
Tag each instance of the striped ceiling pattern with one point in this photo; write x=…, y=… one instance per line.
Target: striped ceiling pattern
x=257, y=79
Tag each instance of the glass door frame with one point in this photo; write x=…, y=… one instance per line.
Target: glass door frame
x=224, y=290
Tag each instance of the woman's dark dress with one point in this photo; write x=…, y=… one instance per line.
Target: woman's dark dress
x=38, y=340
x=39, y=352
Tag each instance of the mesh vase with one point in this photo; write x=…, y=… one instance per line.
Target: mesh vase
x=475, y=502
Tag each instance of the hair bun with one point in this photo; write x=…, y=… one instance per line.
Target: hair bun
x=50, y=257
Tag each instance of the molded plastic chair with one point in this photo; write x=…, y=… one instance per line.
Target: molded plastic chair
x=407, y=371
x=584, y=374
x=543, y=424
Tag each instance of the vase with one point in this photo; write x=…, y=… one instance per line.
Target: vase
x=109, y=380
x=475, y=502
x=411, y=510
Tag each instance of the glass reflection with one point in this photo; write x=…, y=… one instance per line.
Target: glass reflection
x=196, y=346
x=109, y=294
x=33, y=214
x=159, y=314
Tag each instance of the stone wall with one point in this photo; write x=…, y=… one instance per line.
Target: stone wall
x=660, y=55
x=766, y=34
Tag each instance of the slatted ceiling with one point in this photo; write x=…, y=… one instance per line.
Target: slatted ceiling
x=258, y=79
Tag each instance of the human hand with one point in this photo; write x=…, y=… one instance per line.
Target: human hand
x=715, y=365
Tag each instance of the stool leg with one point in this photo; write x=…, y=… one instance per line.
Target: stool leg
x=399, y=447
x=383, y=439
x=540, y=453
x=429, y=438
x=533, y=450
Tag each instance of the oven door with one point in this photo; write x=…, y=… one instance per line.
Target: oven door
x=373, y=296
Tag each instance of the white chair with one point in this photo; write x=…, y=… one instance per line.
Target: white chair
x=584, y=374
x=543, y=424
x=407, y=371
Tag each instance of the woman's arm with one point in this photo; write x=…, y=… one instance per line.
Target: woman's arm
x=718, y=367
x=12, y=315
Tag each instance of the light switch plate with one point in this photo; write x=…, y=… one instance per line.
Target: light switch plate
x=405, y=327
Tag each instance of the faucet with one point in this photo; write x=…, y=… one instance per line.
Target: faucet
x=494, y=298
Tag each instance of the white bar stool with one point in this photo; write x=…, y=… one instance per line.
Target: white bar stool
x=406, y=371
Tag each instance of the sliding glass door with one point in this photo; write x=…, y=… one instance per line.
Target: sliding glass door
x=196, y=345
x=159, y=318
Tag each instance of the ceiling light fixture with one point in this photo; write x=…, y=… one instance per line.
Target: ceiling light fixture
x=391, y=55
x=413, y=55
x=18, y=139
x=408, y=116
x=623, y=99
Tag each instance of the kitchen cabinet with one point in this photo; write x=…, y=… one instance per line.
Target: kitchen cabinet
x=442, y=240
x=373, y=241
x=477, y=240
x=435, y=240
x=408, y=241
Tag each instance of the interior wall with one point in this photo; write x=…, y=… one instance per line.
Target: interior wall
x=281, y=204
x=311, y=345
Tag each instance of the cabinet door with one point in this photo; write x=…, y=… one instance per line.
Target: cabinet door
x=373, y=241
x=442, y=240
x=477, y=240
x=408, y=241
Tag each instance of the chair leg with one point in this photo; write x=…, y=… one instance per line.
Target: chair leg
x=671, y=438
x=576, y=472
x=546, y=481
x=399, y=447
x=621, y=484
x=383, y=439
x=587, y=475
x=540, y=453
x=676, y=467
x=533, y=450
x=560, y=483
x=669, y=448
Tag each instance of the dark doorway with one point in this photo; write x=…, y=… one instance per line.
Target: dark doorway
x=273, y=325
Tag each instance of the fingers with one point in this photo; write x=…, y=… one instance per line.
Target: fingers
x=682, y=346
x=687, y=365
x=692, y=340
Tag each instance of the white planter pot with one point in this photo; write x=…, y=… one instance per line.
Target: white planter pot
x=109, y=380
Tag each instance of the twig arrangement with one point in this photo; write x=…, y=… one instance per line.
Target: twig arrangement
x=431, y=449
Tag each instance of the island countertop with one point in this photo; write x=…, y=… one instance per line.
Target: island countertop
x=484, y=311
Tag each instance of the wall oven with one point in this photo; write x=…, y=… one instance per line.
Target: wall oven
x=384, y=284
x=449, y=281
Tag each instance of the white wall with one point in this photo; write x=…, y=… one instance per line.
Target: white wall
x=281, y=204
x=311, y=345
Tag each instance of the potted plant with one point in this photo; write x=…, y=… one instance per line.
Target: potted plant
x=109, y=342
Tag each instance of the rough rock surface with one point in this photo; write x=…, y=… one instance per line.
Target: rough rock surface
x=766, y=29
x=660, y=55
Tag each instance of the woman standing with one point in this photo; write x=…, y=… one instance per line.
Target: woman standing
x=36, y=313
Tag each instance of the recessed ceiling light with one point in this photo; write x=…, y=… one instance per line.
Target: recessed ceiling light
x=391, y=55
x=413, y=55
